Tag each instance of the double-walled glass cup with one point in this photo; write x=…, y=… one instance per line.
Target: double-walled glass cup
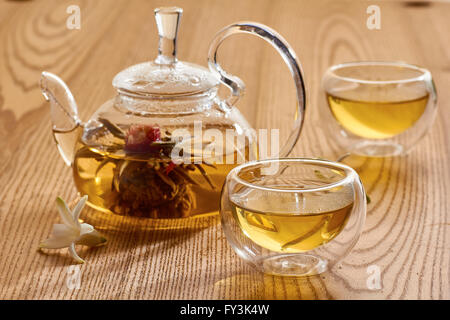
x=292, y=217
x=379, y=108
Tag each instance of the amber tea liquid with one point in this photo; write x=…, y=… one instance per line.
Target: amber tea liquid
x=299, y=226
x=128, y=186
x=377, y=120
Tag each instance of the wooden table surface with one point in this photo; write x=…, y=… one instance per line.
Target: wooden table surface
x=406, y=232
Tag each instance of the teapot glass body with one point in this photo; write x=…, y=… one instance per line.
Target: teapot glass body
x=163, y=146
x=161, y=166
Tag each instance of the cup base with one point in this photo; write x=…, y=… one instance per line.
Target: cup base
x=294, y=265
x=378, y=149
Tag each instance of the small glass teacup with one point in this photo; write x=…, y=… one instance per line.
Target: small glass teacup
x=379, y=108
x=292, y=217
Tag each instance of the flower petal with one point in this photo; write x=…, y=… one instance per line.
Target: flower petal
x=56, y=243
x=77, y=210
x=92, y=238
x=65, y=214
x=71, y=231
x=74, y=253
x=61, y=230
x=85, y=228
x=62, y=236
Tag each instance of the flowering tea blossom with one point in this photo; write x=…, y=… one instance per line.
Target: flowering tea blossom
x=139, y=138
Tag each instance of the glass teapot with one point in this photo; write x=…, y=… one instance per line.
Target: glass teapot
x=162, y=147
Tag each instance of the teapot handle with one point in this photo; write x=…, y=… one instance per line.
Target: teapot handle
x=236, y=85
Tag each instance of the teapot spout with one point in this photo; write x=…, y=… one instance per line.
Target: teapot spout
x=66, y=125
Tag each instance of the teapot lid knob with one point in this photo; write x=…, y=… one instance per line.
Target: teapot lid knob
x=167, y=22
x=166, y=77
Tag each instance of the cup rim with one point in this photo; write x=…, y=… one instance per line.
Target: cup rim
x=425, y=73
x=350, y=174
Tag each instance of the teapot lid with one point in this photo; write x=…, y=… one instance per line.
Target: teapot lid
x=165, y=76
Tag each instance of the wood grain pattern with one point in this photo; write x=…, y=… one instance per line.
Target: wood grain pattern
x=406, y=232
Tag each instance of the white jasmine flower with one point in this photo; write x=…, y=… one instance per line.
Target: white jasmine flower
x=71, y=232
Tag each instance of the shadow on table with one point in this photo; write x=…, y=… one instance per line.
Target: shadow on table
x=374, y=172
x=142, y=231
x=127, y=233
x=255, y=285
